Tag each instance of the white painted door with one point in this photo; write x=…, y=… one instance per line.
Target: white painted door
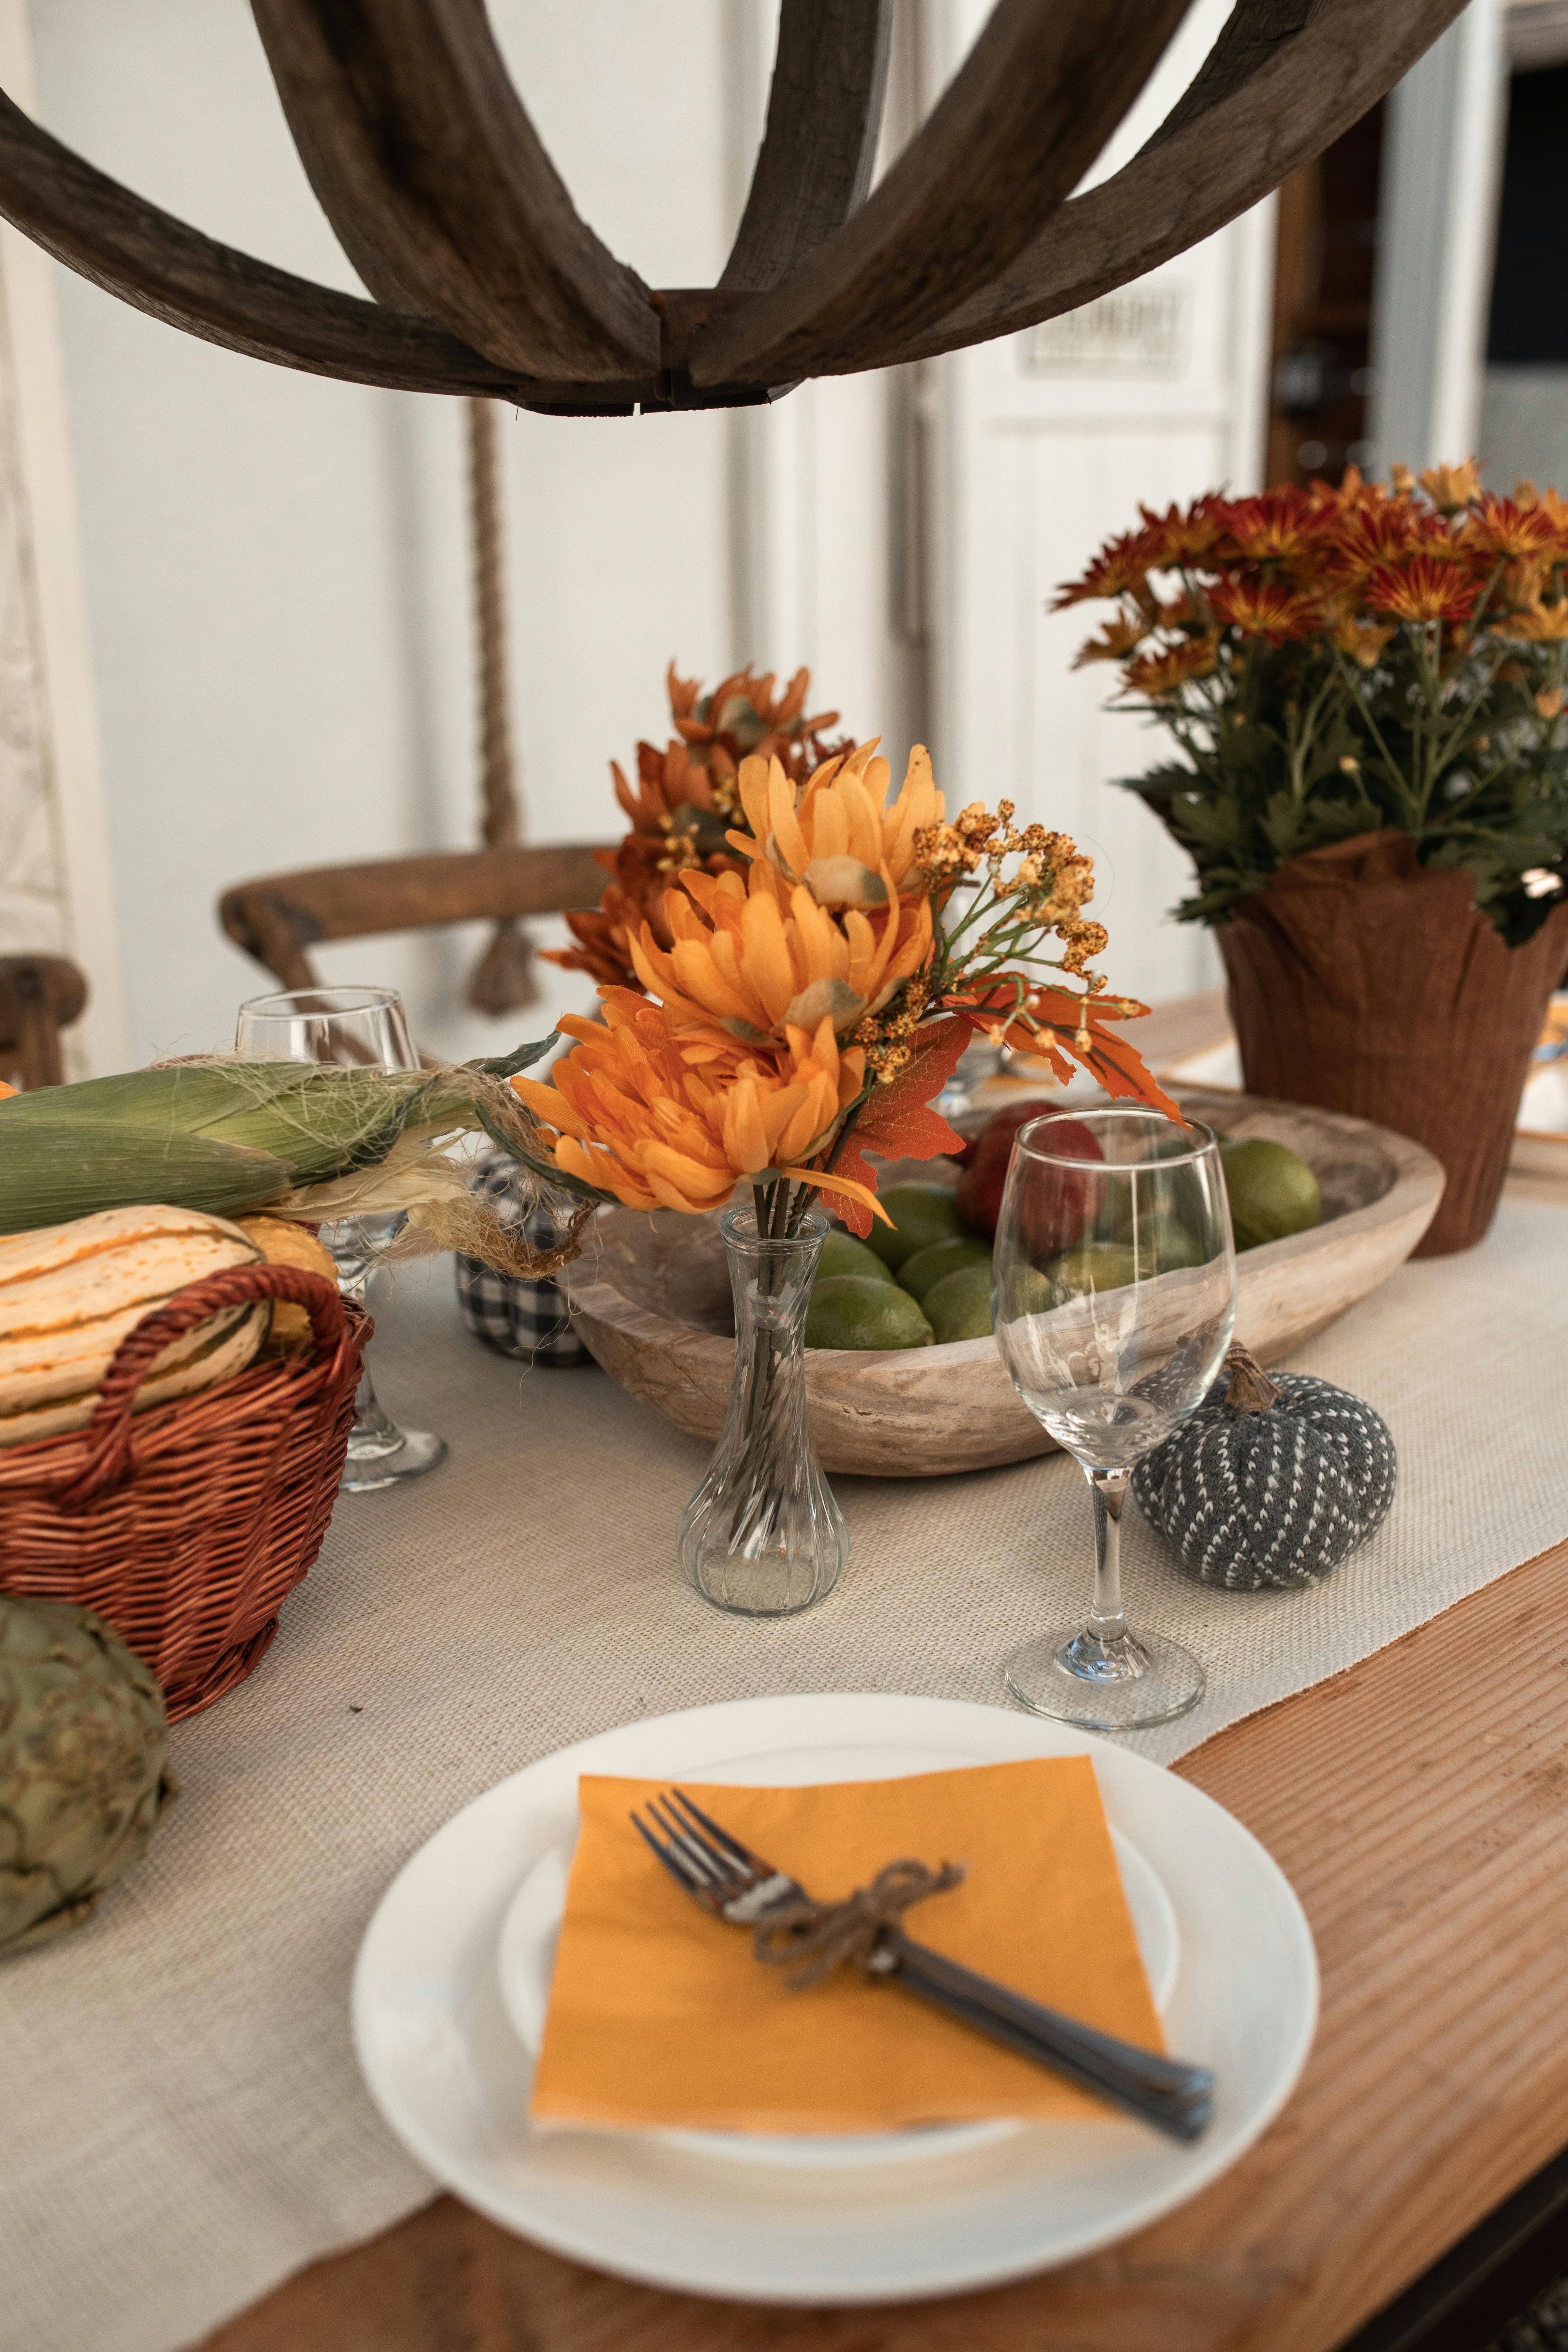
x=1048, y=440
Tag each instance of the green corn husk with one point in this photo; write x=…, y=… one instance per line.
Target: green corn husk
x=230, y=1136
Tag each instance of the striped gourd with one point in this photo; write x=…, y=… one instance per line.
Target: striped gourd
x=69, y=1294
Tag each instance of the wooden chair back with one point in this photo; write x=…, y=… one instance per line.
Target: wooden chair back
x=39, y=996
x=280, y=917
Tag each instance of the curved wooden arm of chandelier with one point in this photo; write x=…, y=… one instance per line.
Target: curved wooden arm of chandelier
x=160, y=265
x=825, y=108
x=448, y=180
x=1039, y=95
x=488, y=282
x=1274, y=93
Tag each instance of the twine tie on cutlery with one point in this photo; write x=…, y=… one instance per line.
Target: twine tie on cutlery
x=811, y=1940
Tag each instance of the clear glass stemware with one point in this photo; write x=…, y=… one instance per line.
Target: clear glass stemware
x=356, y=1028
x=1114, y=1301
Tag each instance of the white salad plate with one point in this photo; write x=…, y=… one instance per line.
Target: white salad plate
x=983, y=2202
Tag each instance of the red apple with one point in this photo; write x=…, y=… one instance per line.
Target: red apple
x=1061, y=1206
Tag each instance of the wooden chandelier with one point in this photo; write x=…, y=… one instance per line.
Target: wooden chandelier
x=486, y=280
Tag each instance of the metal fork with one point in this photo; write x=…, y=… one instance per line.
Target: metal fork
x=734, y=1885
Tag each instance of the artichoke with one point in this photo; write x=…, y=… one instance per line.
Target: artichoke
x=83, y=1767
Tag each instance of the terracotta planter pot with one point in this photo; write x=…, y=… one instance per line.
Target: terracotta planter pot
x=1363, y=984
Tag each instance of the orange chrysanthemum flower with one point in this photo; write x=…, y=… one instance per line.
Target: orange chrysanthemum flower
x=661, y=1119
x=1449, y=487
x=1501, y=527
x=1424, y=588
x=820, y=928
x=682, y=803
x=1263, y=609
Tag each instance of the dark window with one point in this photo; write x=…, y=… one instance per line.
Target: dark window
x=1529, y=287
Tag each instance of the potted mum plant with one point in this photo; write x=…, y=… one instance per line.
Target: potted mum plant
x=1365, y=687
x=791, y=1012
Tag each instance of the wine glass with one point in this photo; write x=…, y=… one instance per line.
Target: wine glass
x=356, y=1028
x=1114, y=1300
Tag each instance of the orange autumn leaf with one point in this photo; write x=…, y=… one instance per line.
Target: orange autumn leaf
x=897, y=1120
x=5, y=1090
x=1056, y=1022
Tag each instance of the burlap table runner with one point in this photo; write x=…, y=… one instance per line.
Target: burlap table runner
x=182, y=2123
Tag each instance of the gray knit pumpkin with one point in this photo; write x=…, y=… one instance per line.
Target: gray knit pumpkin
x=1255, y=1491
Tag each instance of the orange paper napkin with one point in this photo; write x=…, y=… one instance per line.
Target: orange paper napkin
x=660, y=2016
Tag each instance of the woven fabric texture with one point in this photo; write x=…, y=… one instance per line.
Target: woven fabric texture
x=526, y=1319
x=1277, y=1498
x=185, y=2123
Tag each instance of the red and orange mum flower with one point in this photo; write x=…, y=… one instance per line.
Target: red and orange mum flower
x=1282, y=526
x=1162, y=674
x=1259, y=608
x=1121, y=565
x=1324, y=617
x=1424, y=588
x=1499, y=527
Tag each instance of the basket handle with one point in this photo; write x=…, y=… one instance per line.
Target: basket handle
x=108, y=1433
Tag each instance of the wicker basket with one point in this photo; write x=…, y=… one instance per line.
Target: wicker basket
x=185, y=1526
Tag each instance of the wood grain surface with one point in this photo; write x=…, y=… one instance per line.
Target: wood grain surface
x=652, y=1302
x=435, y=162
x=277, y=917
x=1419, y=1804
x=1044, y=85
x=825, y=108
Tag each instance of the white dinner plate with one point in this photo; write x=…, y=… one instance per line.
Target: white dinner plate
x=525, y=1960
x=452, y=2078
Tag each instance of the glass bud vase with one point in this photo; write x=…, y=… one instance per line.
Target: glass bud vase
x=763, y=1535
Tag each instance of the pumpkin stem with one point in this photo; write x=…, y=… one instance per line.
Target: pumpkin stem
x=1250, y=1389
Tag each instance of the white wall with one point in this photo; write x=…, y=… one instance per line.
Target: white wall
x=275, y=565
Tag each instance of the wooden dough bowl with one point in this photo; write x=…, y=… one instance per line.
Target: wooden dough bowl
x=650, y=1297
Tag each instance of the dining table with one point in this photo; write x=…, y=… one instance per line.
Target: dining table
x=1418, y=1804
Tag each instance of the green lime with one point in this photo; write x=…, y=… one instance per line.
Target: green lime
x=1094, y=1266
x=921, y=1213
x=842, y=1253
x=859, y=1310
x=938, y=1259
x=959, y=1306
x=1164, y=1243
x=1272, y=1190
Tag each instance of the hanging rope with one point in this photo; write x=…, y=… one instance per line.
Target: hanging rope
x=503, y=980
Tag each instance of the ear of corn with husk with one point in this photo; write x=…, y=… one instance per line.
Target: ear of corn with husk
x=230, y=1136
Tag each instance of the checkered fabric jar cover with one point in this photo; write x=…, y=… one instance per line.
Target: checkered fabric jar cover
x=1254, y=1500
x=527, y=1319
